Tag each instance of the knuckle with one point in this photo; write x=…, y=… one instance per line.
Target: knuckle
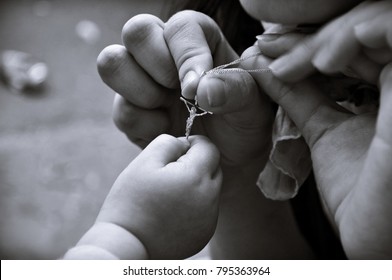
x=110, y=59
x=283, y=91
x=184, y=34
x=194, y=177
x=182, y=22
x=177, y=27
x=178, y=21
x=138, y=28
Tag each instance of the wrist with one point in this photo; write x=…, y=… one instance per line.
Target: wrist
x=108, y=241
x=88, y=252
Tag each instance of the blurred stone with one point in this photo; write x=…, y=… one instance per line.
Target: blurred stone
x=88, y=31
x=21, y=71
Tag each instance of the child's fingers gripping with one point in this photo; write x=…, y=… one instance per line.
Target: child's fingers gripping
x=202, y=156
x=196, y=43
x=119, y=70
x=197, y=153
x=162, y=151
x=143, y=37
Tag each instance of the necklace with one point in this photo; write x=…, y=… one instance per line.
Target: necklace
x=194, y=109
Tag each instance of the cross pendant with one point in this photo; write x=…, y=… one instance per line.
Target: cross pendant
x=189, y=121
x=193, y=110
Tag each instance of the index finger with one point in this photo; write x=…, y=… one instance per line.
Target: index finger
x=195, y=42
x=143, y=37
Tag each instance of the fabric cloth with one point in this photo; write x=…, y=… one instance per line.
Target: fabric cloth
x=289, y=161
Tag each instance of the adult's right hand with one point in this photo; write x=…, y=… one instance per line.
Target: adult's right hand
x=159, y=60
x=351, y=155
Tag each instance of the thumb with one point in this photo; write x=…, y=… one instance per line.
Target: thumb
x=227, y=92
x=195, y=42
x=311, y=110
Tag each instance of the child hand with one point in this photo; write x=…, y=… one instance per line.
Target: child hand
x=338, y=46
x=168, y=196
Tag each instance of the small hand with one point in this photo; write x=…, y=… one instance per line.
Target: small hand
x=168, y=196
x=336, y=47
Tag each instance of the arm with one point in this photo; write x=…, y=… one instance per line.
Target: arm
x=164, y=205
x=108, y=241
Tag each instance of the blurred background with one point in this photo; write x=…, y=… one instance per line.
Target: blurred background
x=59, y=149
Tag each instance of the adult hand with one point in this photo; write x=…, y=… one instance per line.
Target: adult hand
x=156, y=58
x=352, y=158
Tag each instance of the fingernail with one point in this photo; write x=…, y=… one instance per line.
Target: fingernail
x=277, y=66
x=216, y=93
x=189, y=78
x=267, y=37
x=189, y=84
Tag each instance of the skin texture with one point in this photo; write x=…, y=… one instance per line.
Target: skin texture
x=336, y=47
x=296, y=11
x=351, y=154
x=148, y=105
x=242, y=118
x=172, y=188
x=351, y=157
